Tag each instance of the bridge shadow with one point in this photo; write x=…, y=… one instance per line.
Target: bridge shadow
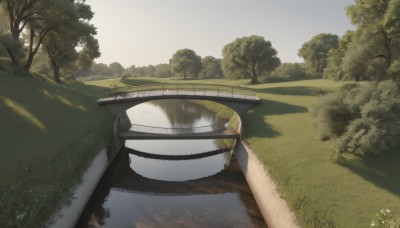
x=254, y=122
x=292, y=91
x=141, y=81
x=381, y=170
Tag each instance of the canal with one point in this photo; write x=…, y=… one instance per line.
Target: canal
x=139, y=191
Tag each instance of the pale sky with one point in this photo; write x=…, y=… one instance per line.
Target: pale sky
x=143, y=32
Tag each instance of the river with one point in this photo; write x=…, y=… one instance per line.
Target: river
x=144, y=192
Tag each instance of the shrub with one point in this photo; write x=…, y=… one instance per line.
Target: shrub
x=365, y=118
x=394, y=71
x=288, y=72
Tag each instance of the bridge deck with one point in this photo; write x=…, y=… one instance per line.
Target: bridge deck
x=177, y=94
x=222, y=134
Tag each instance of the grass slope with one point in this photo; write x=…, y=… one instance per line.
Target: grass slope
x=321, y=193
x=48, y=135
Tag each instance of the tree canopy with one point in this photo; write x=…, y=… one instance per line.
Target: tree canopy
x=315, y=52
x=211, y=68
x=249, y=57
x=376, y=41
x=60, y=26
x=185, y=62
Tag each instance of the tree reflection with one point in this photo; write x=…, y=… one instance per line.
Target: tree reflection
x=184, y=114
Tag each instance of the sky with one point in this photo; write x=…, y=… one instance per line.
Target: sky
x=143, y=32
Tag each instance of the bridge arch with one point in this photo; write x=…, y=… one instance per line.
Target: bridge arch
x=120, y=99
x=238, y=99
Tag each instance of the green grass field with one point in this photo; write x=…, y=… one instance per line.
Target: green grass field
x=49, y=132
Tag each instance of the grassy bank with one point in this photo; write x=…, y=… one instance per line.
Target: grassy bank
x=320, y=192
x=48, y=135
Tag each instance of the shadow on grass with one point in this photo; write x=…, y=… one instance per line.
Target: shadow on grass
x=293, y=91
x=383, y=170
x=255, y=124
x=141, y=81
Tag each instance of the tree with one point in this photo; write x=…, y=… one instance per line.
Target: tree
x=116, y=68
x=61, y=43
x=249, y=57
x=35, y=18
x=377, y=34
x=334, y=70
x=185, y=62
x=288, y=72
x=162, y=71
x=315, y=52
x=211, y=68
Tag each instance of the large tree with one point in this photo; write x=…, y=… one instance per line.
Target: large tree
x=185, y=62
x=61, y=43
x=211, y=68
x=249, y=57
x=315, y=52
x=334, y=69
x=35, y=18
x=377, y=38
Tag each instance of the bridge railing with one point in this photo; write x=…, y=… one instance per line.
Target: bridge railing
x=190, y=89
x=171, y=131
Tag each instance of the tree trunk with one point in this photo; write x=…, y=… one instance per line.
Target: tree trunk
x=54, y=66
x=56, y=74
x=15, y=60
x=184, y=74
x=254, y=75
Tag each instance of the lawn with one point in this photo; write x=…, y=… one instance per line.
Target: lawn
x=49, y=133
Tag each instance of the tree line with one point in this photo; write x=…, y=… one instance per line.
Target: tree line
x=246, y=57
x=362, y=118
x=56, y=30
x=55, y=37
x=369, y=53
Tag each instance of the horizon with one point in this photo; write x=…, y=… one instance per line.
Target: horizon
x=142, y=33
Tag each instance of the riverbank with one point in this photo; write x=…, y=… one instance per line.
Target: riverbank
x=68, y=215
x=49, y=134
x=274, y=209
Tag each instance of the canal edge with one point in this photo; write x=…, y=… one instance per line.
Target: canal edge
x=67, y=216
x=274, y=209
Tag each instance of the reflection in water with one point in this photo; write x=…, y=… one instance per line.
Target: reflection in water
x=168, y=170
x=172, y=114
x=219, y=197
x=175, y=114
x=183, y=113
x=125, y=199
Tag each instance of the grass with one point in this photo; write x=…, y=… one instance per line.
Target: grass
x=48, y=135
x=322, y=193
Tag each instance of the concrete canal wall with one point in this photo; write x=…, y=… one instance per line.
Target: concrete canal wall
x=273, y=208
x=69, y=214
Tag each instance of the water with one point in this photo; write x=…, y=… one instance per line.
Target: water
x=145, y=192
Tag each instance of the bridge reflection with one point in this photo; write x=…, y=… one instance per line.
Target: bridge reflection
x=178, y=157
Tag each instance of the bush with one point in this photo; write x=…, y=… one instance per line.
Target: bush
x=288, y=72
x=394, y=71
x=365, y=118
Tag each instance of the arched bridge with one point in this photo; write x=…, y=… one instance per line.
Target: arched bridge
x=239, y=99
